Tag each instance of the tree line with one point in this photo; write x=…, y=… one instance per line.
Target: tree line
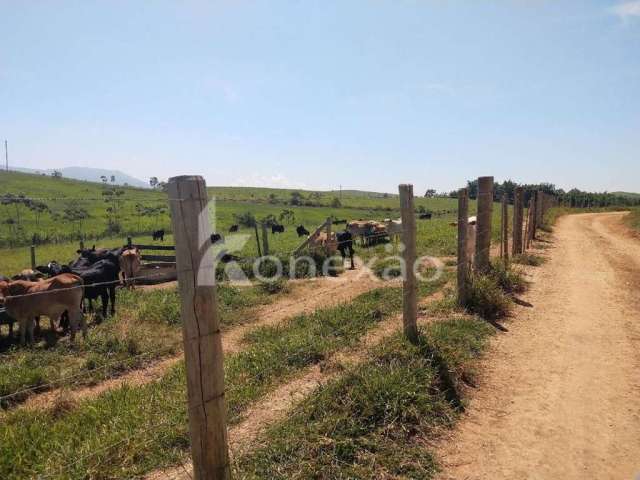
x=572, y=198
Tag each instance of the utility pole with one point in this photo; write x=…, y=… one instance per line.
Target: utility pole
x=6, y=156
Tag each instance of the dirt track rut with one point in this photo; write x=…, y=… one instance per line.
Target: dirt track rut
x=560, y=394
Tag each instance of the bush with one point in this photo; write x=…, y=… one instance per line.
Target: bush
x=276, y=286
x=507, y=278
x=486, y=298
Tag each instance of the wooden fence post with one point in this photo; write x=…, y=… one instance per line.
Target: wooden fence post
x=81, y=244
x=200, y=328
x=409, y=293
x=129, y=242
x=255, y=227
x=483, y=225
x=328, y=234
x=518, y=210
x=32, y=250
x=539, y=208
x=463, y=260
x=504, y=245
x=265, y=239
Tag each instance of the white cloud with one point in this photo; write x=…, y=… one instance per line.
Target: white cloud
x=626, y=10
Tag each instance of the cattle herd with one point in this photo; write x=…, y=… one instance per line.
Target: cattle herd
x=64, y=292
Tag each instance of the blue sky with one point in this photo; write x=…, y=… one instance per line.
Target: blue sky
x=367, y=94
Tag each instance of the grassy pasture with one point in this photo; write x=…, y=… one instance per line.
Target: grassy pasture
x=146, y=327
x=78, y=436
x=435, y=237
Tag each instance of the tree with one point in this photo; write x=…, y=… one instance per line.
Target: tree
x=56, y=174
x=287, y=216
x=113, y=198
x=336, y=203
x=103, y=178
x=75, y=215
x=113, y=179
x=430, y=193
x=153, y=182
x=296, y=198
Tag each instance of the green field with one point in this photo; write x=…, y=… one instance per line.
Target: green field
x=59, y=238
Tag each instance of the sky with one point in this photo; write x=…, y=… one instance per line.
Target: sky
x=363, y=94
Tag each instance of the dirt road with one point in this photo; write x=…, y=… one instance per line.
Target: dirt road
x=560, y=394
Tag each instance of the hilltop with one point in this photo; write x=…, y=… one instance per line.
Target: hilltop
x=89, y=174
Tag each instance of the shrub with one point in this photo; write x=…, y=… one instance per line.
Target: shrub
x=510, y=280
x=529, y=259
x=486, y=298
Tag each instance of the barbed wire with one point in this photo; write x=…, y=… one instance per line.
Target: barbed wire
x=63, y=380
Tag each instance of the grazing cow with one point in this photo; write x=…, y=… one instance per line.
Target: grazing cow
x=345, y=246
x=99, y=269
x=234, y=228
x=425, y=216
x=25, y=301
x=216, y=237
x=277, y=228
x=158, y=235
x=130, y=266
x=301, y=231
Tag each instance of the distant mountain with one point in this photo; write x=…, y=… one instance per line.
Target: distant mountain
x=89, y=174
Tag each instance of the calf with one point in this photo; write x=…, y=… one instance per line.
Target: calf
x=277, y=228
x=158, y=235
x=301, y=231
x=130, y=266
x=26, y=300
x=234, y=228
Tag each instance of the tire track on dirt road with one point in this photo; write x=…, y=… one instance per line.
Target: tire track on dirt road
x=305, y=297
x=559, y=395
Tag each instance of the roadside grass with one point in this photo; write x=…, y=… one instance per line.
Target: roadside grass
x=146, y=327
x=379, y=419
x=154, y=415
x=633, y=219
x=529, y=259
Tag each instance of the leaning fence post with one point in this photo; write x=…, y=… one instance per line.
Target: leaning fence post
x=504, y=245
x=483, y=225
x=200, y=328
x=255, y=227
x=265, y=239
x=409, y=300
x=463, y=261
x=32, y=250
x=518, y=203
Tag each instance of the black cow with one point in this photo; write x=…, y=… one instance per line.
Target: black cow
x=234, y=228
x=215, y=237
x=158, y=235
x=338, y=222
x=425, y=216
x=99, y=269
x=277, y=228
x=301, y=231
x=345, y=245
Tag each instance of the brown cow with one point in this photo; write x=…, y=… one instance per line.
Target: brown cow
x=129, y=266
x=25, y=301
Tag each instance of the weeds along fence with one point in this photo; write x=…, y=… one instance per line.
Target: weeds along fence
x=195, y=269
